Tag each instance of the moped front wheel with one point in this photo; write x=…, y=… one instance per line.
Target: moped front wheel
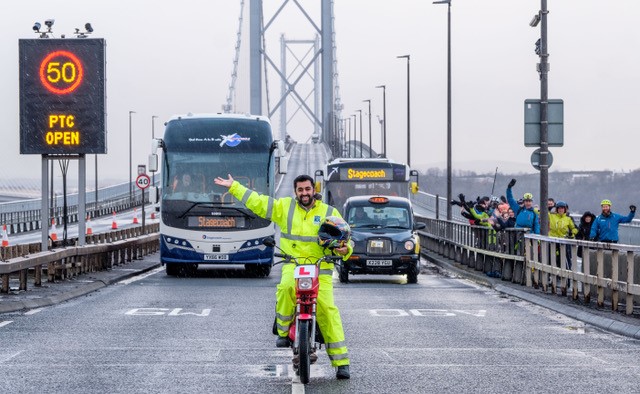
x=304, y=350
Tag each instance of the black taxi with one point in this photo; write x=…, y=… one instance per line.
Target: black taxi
x=384, y=238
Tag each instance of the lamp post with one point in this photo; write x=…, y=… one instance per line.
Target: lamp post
x=384, y=119
x=408, y=57
x=449, y=197
x=130, y=162
x=359, y=110
x=543, y=68
x=153, y=136
x=370, y=142
x=354, y=136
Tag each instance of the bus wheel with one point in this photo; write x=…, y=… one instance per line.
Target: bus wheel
x=172, y=269
x=258, y=270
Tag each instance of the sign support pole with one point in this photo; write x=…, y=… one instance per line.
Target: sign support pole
x=44, y=204
x=82, y=200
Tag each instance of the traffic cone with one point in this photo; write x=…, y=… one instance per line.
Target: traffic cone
x=53, y=232
x=5, y=236
x=88, y=225
x=114, y=224
x=135, y=216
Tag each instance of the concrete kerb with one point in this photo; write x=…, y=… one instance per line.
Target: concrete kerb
x=605, y=323
x=14, y=306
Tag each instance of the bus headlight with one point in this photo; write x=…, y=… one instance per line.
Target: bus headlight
x=305, y=283
x=409, y=245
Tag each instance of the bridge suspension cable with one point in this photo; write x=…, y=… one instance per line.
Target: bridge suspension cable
x=234, y=74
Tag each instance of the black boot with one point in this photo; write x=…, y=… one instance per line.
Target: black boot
x=283, y=342
x=343, y=372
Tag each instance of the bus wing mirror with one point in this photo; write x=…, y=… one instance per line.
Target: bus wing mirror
x=153, y=195
x=153, y=162
x=282, y=165
x=282, y=150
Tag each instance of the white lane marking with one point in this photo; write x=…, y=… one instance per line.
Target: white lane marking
x=5, y=323
x=10, y=356
x=140, y=277
x=296, y=386
x=34, y=311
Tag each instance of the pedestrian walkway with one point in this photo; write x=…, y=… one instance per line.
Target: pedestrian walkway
x=605, y=319
x=53, y=293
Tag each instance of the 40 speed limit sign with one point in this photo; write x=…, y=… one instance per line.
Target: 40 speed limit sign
x=143, y=181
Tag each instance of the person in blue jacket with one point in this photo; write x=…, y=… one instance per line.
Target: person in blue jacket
x=605, y=227
x=526, y=216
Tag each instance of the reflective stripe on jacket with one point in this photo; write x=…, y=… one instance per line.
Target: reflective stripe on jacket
x=298, y=227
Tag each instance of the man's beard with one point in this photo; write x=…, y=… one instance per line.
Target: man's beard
x=308, y=199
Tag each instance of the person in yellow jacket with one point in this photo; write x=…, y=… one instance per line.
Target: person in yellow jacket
x=561, y=225
x=299, y=220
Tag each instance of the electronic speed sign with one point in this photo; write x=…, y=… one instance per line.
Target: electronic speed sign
x=62, y=96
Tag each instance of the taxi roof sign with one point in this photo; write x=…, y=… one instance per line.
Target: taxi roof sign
x=378, y=200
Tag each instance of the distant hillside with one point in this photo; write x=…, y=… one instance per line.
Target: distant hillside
x=582, y=190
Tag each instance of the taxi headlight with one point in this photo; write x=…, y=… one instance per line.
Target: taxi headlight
x=305, y=283
x=409, y=245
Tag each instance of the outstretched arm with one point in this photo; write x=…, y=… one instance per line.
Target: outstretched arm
x=224, y=182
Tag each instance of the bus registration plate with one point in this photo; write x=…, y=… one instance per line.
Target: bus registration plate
x=216, y=257
x=379, y=263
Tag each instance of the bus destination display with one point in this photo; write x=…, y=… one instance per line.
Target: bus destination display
x=215, y=222
x=62, y=96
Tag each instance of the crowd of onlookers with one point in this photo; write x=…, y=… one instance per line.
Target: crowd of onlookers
x=507, y=212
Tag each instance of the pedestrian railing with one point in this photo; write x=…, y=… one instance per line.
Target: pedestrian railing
x=582, y=269
x=610, y=271
x=102, y=251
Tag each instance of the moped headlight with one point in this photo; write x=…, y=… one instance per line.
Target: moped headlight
x=305, y=283
x=409, y=245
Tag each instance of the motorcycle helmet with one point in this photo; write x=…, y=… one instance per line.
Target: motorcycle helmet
x=334, y=232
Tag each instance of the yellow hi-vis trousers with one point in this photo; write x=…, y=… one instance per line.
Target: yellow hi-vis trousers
x=327, y=313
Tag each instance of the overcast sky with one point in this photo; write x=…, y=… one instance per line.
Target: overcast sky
x=168, y=57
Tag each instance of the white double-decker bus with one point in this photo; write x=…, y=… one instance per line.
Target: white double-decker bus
x=201, y=223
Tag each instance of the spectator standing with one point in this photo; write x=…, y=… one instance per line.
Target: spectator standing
x=605, y=227
x=526, y=217
x=584, y=229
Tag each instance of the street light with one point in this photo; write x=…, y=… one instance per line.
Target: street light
x=359, y=110
x=449, y=197
x=130, y=162
x=408, y=57
x=153, y=136
x=370, y=142
x=384, y=119
x=354, y=136
x=543, y=68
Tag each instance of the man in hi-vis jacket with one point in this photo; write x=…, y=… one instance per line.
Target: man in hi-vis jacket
x=299, y=220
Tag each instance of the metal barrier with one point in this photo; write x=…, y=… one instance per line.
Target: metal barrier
x=101, y=252
x=609, y=270
x=498, y=254
x=24, y=216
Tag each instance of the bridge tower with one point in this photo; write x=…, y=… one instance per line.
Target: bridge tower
x=330, y=107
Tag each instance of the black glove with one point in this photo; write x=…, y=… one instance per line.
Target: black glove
x=503, y=199
x=512, y=183
x=454, y=202
x=461, y=197
x=632, y=208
